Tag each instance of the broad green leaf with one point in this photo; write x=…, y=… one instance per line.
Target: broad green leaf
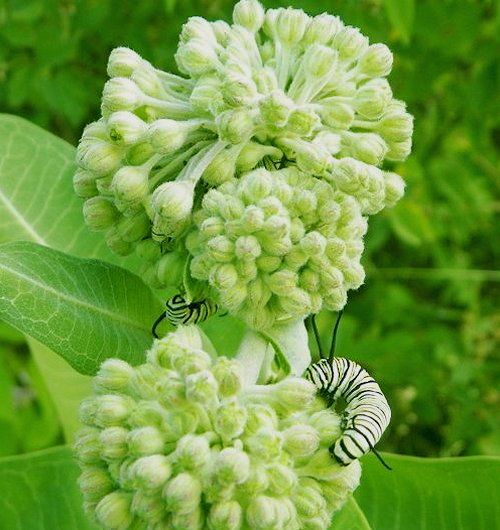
x=37, y=201
x=84, y=310
x=350, y=518
x=431, y=493
x=68, y=386
x=38, y=491
x=401, y=14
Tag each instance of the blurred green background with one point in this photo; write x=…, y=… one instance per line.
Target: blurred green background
x=425, y=324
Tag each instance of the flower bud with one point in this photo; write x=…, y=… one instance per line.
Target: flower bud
x=249, y=14
x=350, y=43
x=396, y=125
x=113, y=376
x=275, y=108
x=235, y=126
x=399, y=151
x=113, y=511
x=294, y=393
x=326, y=424
x=145, y=441
x=264, y=512
x=123, y=61
x=167, y=136
x=238, y=90
x=121, y=93
x=372, y=98
x=114, y=443
x=173, y=200
x=227, y=374
x=170, y=268
x=125, y=127
x=192, y=451
x=206, y=94
x=84, y=183
x=226, y=515
x=222, y=167
x=134, y=228
x=183, y=493
x=98, y=157
x=99, y=213
x=151, y=472
x=308, y=500
x=201, y=387
x=303, y=121
x=376, y=61
x=394, y=188
x=111, y=409
x=337, y=115
x=321, y=29
x=301, y=440
x=95, y=483
x=367, y=147
x=232, y=466
x=230, y=420
x=223, y=277
x=116, y=243
x=87, y=445
x=282, y=479
x=130, y=186
x=319, y=61
x=291, y=25
x=197, y=28
x=253, y=153
x=196, y=57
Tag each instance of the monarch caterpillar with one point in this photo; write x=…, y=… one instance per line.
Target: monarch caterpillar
x=366, y=414
x=180, y=311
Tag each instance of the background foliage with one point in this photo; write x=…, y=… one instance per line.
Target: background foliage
x=425, y=323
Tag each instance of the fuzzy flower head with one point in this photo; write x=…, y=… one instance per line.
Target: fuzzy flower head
x=278, y=245
x=275, y=88
x=182, y=443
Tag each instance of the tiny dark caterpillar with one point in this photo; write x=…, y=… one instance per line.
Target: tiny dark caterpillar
x=180, y=311
x=366, y=414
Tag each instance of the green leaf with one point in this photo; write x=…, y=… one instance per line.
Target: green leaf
x=38, y=491
x=84, y=310
x=350, y=518
x=37, y=201
x=401, y=14
x=430, y=493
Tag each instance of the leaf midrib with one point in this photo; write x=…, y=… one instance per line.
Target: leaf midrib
x=77, y=301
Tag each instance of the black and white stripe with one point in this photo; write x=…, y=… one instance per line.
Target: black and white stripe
x=367, y=413
x=180, y=311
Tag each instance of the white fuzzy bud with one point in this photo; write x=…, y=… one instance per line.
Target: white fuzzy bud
x=376, y=61
x=125, y=127
x=121, y=93
x=113, y=511
x=249, y=14
x=130, y=185
x=123, y=61
x=183, y=493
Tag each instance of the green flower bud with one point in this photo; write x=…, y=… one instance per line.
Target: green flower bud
x=201, y=387
x=249, y=14
x=282, y=479
x=98, y=157
x=147, y=507
x=225, y=515
x=337, y=115
x=232, y=466
x=264, y=512
x=235, y=126
x=139, y=154
x=168, y=136
x=111, y=410
x=376, y=61
x=367, y=147
x=113, y=511
x=291, y=25
x=173, y=202
x=275, y=108
x=113, y=376
x=394, y=188
x=130, y=186
x=301, y=440
x=134, y=228
x=322, y=29
x=121, y=93
x=230, y=420
x=252, y=153
x=303, y=121
x=197, y=28
x=84, y=183
x=238, y=90
x=117, y=244
x=183, y=493
x=196, y=57
x=319, y=60
x=206, y=94
x=151, y=472
x=170, y=268
x=192, y=451
x=228, y=377
x=350, y=43
x=95, y=483
x=222, y=167
x=145, y=441
x=126, y=128
x=88, y=446
x=99, y=213
x=396, y=125
x=114, y=443
x=326, y=424
x=123, y=61
x=373, y=98
x=399, y=151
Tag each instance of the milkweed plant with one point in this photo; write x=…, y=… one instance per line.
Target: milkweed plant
x=248, y=180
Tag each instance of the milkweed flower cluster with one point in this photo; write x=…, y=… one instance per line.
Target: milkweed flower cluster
x=181, y=442
x=275, y=88
x=278, y=244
